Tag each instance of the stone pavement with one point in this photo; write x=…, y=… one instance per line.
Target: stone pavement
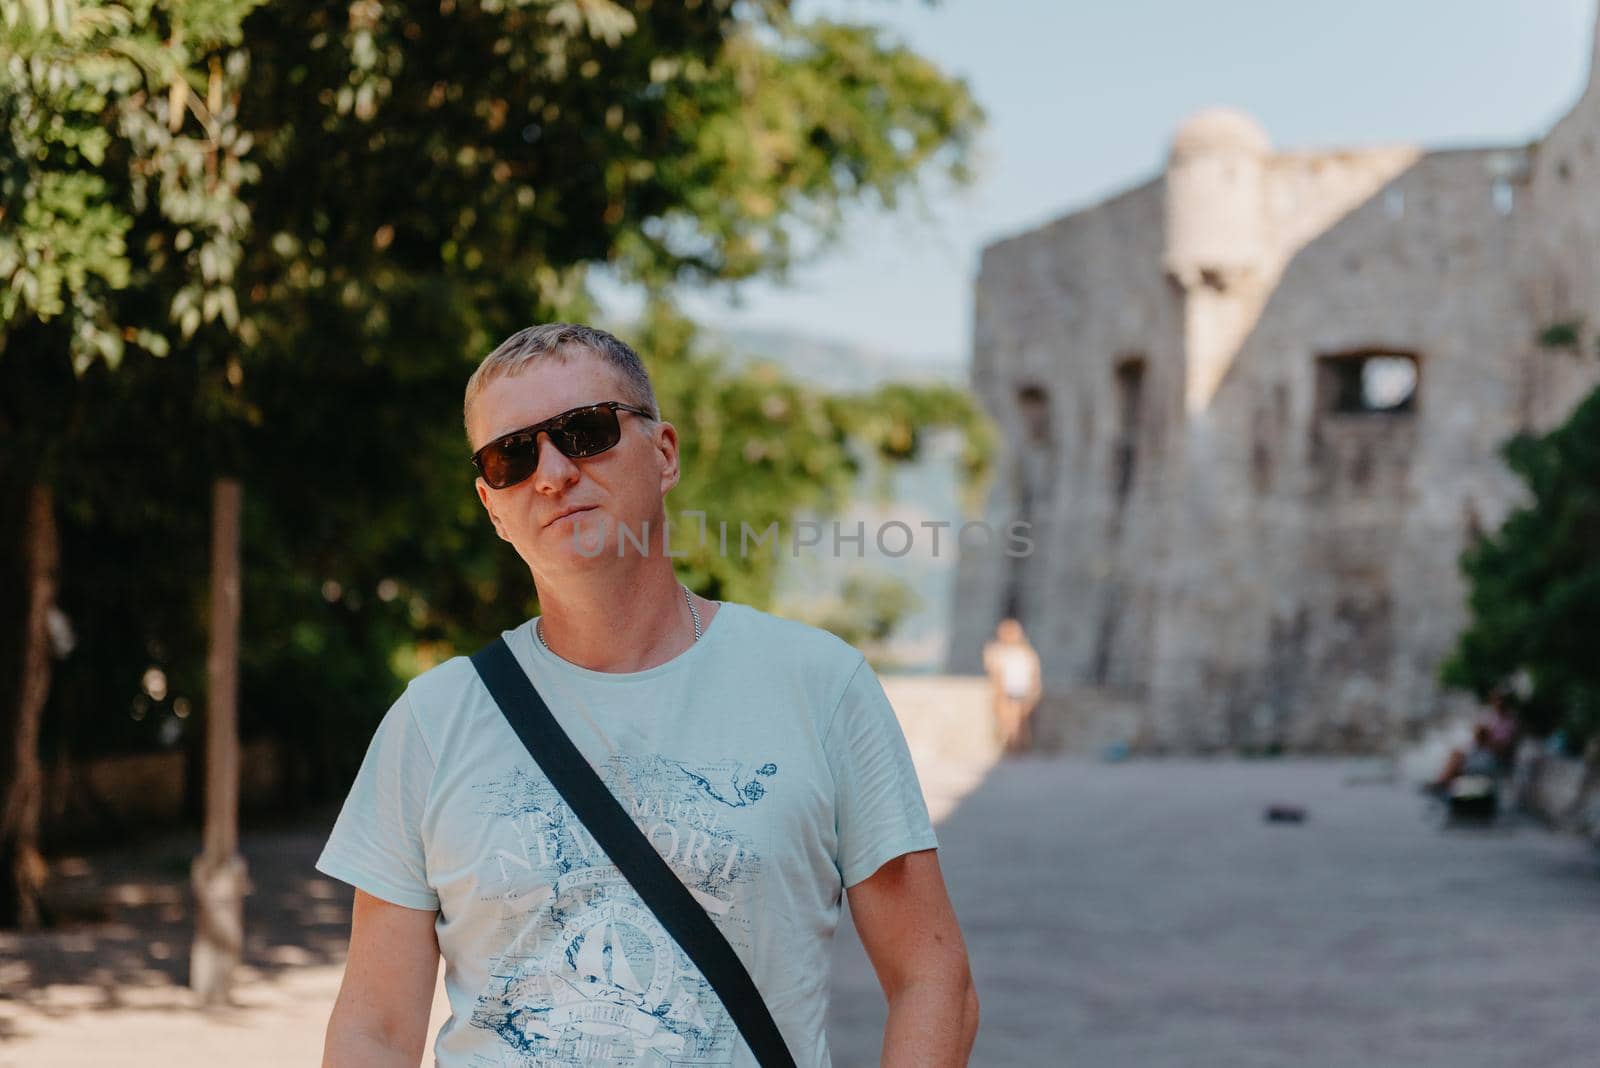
x=1144, y=914
x=1136, y=914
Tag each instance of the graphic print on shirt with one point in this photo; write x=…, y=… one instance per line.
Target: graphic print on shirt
x=588, y=976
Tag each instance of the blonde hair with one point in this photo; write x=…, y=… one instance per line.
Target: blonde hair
x=563, y=341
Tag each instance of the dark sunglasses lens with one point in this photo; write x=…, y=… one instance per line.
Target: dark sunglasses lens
x=510, y=462
x=588, y=432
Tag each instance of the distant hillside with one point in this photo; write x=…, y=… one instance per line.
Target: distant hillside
x=833, y=364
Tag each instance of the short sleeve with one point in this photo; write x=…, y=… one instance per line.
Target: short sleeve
x=878, y=803
x=376, y=843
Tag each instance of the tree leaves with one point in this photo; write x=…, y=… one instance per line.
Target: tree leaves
x=102, y=175
x=1534, y=585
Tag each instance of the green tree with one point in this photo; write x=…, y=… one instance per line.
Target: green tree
x=434, y=177
x=120, y=224
x=388, y=190
x=1534, y=585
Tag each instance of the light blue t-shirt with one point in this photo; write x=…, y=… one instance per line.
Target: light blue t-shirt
x=764, y=763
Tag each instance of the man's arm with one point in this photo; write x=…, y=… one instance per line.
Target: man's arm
x=381, y=1016
x=903, y=915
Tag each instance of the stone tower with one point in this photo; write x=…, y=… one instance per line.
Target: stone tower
x=1217, y=243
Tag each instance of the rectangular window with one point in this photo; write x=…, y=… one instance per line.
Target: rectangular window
x=1130, y=409
x=1033, y=408
x=1363, y=434
x=1373, y=382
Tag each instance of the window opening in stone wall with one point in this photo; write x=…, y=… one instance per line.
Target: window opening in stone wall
x=1129, y=378
x=1034, y=475
x=1033, y=408
x=1368, y=383
x=1503, y=195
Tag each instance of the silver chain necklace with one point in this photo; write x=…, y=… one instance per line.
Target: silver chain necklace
x=694, y=613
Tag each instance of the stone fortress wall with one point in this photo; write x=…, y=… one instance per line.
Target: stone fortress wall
x=1253, y=409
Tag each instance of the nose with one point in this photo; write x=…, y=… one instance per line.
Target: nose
x=555, y=471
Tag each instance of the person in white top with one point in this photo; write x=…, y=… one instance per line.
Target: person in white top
x=1016, y=681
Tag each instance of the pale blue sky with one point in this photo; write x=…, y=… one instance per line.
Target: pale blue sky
x=1082, y=97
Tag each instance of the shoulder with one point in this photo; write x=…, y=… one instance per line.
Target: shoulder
x=796, y=658
x=441, y=683
x=437, y=696
x=789, y=641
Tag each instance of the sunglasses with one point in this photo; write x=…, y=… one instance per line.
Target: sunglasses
x=576, y=433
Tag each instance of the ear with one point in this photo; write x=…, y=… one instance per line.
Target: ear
x=488, y=506
x=666, y=443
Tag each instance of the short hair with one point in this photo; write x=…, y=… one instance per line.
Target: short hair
x=563, y=341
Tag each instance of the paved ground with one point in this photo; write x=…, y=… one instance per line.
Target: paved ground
x=1144, y=914
x=1118, y=915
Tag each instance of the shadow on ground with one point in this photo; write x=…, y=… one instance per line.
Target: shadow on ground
x=124, y=917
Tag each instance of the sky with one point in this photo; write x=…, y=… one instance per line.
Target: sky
x=1082, y=98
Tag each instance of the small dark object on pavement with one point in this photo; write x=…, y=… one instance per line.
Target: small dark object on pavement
x=1285, y=814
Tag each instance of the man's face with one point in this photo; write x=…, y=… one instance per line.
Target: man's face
x=623, y=485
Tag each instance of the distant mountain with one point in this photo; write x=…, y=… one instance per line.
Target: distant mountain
x=834, y=365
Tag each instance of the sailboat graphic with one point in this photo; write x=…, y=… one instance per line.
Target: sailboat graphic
x=599, y=944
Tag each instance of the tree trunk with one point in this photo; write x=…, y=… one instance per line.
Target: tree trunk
x=218, y=874
x=22, y=880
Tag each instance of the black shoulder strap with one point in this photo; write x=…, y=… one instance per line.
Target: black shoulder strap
x=589, y=799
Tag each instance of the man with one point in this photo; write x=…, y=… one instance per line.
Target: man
x=1015, y=684
x=759, y=756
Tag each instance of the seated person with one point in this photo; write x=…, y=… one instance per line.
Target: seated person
x=1480, y=759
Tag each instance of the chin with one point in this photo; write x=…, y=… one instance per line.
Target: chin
x=586, y=536
x=594, y=536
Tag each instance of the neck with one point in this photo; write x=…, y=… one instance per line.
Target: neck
x=621, y=619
